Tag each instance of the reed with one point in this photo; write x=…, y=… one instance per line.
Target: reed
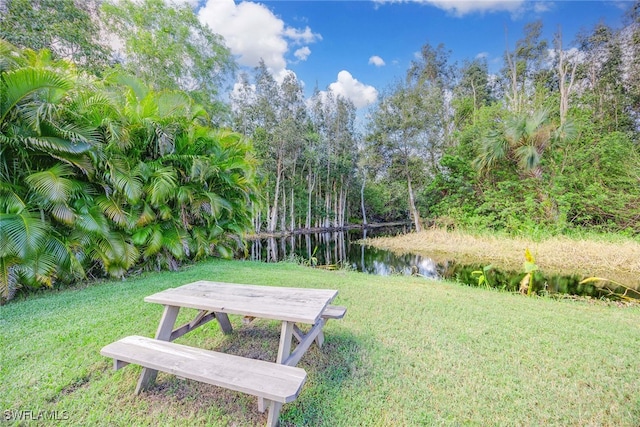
x=617, y=259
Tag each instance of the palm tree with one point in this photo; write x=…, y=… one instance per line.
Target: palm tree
x=190, y=187
x=42, y=154
x=522, y=141
x=96, y=177
x=521, y=145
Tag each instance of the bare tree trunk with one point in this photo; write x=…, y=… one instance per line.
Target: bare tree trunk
x=415, y=216
x=335, y=205
x=514, y=97
x=273, y=219
x=311, y=179
x=327, y=207
x=364, y=211
x=563, y=70
x=292, y=211
x=283, y=213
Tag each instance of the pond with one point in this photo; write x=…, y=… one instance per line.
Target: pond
x=340, y=249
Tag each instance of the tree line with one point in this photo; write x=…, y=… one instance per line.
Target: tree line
x=113, y=162
x=549, y=143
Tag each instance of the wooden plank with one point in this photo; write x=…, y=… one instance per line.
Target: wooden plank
x=334, y=312
x=257, y=303
x=118, y=364
x=202, y=318
x=271, y=381
x=286, y=334
x=291, y=304
x=274, y=413
x=223, y=321
x=293, y=358
x=297, y=333
x=165, y=328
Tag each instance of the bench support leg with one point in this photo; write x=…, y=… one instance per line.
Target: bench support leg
x=274, y=413
x=261, y=406
x=148, y=376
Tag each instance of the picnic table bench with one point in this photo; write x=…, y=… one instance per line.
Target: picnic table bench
x=273, y=383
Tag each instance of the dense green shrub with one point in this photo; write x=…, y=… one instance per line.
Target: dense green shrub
x=102, y=177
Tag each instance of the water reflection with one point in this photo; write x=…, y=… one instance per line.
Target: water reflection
x=339, y=248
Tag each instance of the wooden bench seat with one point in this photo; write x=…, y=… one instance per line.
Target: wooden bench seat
x=334, y=312
x=275, y=383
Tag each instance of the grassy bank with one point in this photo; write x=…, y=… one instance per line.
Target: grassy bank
x=408, y=352
x=612, y=257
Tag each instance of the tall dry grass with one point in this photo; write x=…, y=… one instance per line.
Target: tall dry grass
x=615, y=261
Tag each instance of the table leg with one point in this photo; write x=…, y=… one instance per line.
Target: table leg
x=294, y=357
x=286, y=335
x=148, y=376
x=223, y=321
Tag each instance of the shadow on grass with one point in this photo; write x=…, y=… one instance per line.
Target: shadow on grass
x=341, y=359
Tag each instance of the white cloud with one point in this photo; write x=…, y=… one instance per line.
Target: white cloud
x=350, y=88
x=377, y=61
x=253, y=32
x=302, y=36
x=464, y=7
x=303, y=53
x=542, y=6
x=482, y=55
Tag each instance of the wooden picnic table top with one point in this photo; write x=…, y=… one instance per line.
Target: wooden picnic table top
x=300, y=305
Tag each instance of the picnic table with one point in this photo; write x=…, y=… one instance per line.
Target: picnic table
x=276, y=382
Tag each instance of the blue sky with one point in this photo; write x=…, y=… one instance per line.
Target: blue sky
x=360, y=47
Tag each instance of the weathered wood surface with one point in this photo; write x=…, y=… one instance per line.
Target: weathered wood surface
x=297, y=305
x=292, y=358
x=164, y=332
x=271, y=381
x=334, y=312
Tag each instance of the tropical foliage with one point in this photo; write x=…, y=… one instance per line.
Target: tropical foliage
x=108, y=166
x=100, y=177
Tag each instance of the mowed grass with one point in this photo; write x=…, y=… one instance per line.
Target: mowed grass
x=409, y=352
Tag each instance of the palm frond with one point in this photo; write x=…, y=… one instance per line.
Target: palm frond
x=494, y=148
x=58, y=145
x=10, y=200
x=174, y=241
x=23, y=234
x=128, y=183
x=162, y=185
x=113, y=210
x=529, y=157
x=64, y=257
x=21, y=83
x=52, y=185
x=63, y=213
x=146, y=216
x=173, y=104
x=154, y=242
x=39, y=270
x=91, y=219
x=136, y=85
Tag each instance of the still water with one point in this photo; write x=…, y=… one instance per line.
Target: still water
x=339, y=249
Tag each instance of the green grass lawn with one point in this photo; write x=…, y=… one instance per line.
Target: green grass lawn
x=409, y=352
